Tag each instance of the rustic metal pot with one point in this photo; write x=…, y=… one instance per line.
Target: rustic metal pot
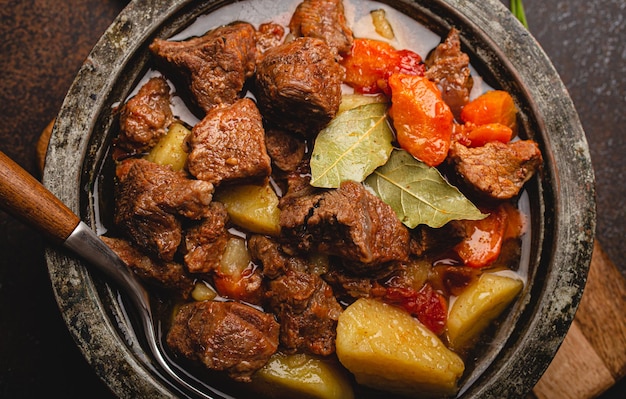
x=563, y=218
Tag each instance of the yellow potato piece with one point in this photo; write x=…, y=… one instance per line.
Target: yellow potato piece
x=170, y=150
x=385, y=348
x=302, y=376
x=480, y=303
x=253, y=207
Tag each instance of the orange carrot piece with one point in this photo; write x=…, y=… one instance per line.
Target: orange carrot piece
x=494, y=106
x=483, y=239
x=422, y=120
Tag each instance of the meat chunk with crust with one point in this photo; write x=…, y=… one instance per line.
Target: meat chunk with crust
x=229, y=144
x=349, y=222
x=205, y=241
x=448, y=67
x=215, y=66
x=224, y=336
x=169, y=275
x=150, y=200
x=268, y=35
x=307, y=311
x=285, y=150
x=298, y=86
x=496, y=170
x=325, y=20
x=145, y=117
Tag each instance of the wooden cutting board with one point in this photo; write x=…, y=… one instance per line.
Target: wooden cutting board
x=593, y=355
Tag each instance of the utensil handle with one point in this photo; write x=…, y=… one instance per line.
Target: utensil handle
x=27, y=199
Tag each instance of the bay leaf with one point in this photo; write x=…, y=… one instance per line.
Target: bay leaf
x=352, y=146
x=418, y=193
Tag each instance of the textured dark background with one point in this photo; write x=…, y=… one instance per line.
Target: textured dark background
x=44, y=42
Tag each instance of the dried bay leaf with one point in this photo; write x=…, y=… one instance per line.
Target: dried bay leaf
x=419, y=194
x=352, y=146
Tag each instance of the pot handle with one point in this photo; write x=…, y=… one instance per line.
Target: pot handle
x=27, y=199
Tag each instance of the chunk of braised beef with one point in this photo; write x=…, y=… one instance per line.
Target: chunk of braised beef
x=448, y=67
x=214, y=66
x=307, y=311
x=452, y=279
x=151, y=198
x=286, y=150
x=349, y=222
x=426, y=239
x=229, y=145
x=169, y=275
x=496, y=170
x=205, y=241
x=145, y=117
x=271, y=256
x=325, y=20
x=298, y=85
x=268, y=35
x=224, y=336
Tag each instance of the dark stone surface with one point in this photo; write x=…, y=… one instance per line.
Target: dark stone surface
x=43, y=44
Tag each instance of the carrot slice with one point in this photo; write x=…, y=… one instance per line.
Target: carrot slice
x=422, y=120
x=494, y=106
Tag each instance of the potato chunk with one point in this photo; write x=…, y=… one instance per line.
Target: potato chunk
x=480, y=303
x=170, y=150
x=385, y=348
x=302, y=376
x=253, y=207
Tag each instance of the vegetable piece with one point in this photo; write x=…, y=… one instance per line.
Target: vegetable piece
x=203, y=292
x=350, y=101
x=371, y=62
x=385, y=348
x=352, y=146
x=481, y=303
x=483, y=239
x=418, y=194
x=235, y=278
x=495, y=106
x=302, y=376
x=429, y=306
x=381, y=24
x=171, y=149
x=252, y=207
x=478, y=135
x=423, y=121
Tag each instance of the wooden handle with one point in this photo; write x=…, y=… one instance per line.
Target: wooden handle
x=27, y=199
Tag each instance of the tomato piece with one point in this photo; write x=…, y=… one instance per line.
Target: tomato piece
x=471, y=135
x=422, y=120
x=427, y=305
x=370, y=63
x=483, y=238
x=495, y=106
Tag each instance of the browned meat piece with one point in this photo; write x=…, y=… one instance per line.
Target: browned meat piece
x=150, y=198
x=426, y=239
x=298, y=86
x=145, y=117
x=307, y=311
x=168, y=275
x=285, y=150
x=205, y=241
x=323, y=19
x=349, y=222
x=224, y=336
x=269, y=35
x=274, y=260
x=215, y=65
x=229, y=144
x=496, y=170
x=348, y=286
x=448, y=67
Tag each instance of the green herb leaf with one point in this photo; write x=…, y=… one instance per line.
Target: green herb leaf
x=517, y=9
x=418, y=194
x=352, y=146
